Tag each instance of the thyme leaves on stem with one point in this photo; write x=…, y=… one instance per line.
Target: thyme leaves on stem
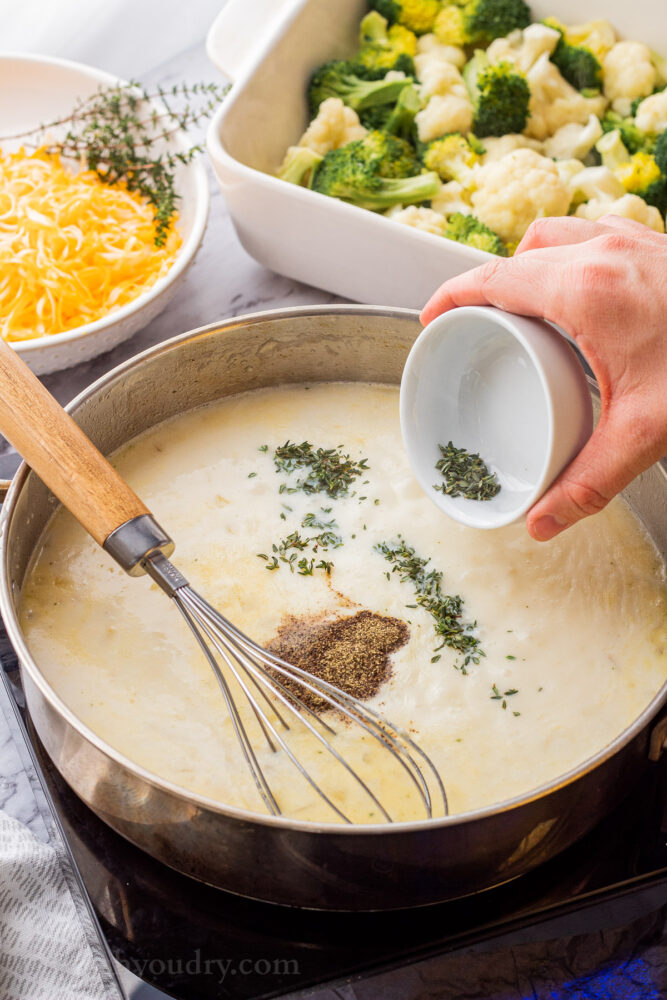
x=120, y=132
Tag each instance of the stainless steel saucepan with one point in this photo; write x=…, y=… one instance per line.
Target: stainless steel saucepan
x=272, y=858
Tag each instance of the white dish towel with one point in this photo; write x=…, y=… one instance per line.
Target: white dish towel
x=48, y=946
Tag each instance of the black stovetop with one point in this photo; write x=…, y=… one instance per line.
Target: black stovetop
x=195, y=942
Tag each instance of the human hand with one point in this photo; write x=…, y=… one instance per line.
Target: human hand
x=605, y=283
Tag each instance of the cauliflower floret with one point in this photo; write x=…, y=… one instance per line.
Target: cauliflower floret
x=595, y=182
x=630, y=206
x=507, y=49
x=440, y=77
x=517, y=189
x=419, y=218
x=428, y=47
x=335, y=125
x=628, y=73
x=498, y=146
x=652, y=113
x=554, y=103
x=524, y=48
x=573, y=141
x=442, y=114
x=453, y=197
x=449, y=108
x=568, y=170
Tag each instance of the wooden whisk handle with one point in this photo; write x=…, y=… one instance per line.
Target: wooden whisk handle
x=60, y=453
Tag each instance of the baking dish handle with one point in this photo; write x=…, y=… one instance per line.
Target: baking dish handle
x=240, y=30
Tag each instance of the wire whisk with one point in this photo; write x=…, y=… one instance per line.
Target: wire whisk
x=258, y=674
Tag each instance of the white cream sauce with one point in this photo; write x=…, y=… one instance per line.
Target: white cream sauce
x=577, y=626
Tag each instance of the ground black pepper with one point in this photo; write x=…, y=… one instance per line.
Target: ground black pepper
x=352, y=652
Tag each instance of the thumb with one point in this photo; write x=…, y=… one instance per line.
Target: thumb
x=613, y=456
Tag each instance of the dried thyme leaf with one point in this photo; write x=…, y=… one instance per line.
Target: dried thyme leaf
x=465, y=475
x=502, y=696
x=328, y=469
x=286, y=551
x=313, y=521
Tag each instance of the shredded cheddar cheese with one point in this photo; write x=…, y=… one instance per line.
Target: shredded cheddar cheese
x=72, y=249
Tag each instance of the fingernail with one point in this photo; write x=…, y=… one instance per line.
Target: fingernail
x=548, y=526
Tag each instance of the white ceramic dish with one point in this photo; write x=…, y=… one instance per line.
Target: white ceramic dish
x=269, y=49
x=34, y=90
x=506, y=387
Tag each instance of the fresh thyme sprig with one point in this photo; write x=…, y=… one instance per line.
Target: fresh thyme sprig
x=120, y=133
x=465, y=475
x=329, y=470
x=446, y=609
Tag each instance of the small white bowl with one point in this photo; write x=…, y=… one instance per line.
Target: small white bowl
x=507, y=387
x=35, y=90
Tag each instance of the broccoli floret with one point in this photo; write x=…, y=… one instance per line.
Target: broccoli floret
x=452, y=156
x=384, y=48
x=469, y=230
x=299, y=165
x=400, y=119
x=449, y=27
x=642, y=175
x=388, y=155
x=660, y=152
x=417, y=15
x=376, y=118
x=488, y=19
x=633, y=138
x=478, y=22
x=577, y=63
x=500, y=96
x=375, y=172
x=342, y=79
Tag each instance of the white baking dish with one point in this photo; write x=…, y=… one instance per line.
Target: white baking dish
x=269, y=49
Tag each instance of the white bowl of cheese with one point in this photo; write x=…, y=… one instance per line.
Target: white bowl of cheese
x=36, y=90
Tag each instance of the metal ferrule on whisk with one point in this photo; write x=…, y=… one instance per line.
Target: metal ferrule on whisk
x=138, y=539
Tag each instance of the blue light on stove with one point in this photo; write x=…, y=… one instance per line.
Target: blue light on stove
x=631, y=980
